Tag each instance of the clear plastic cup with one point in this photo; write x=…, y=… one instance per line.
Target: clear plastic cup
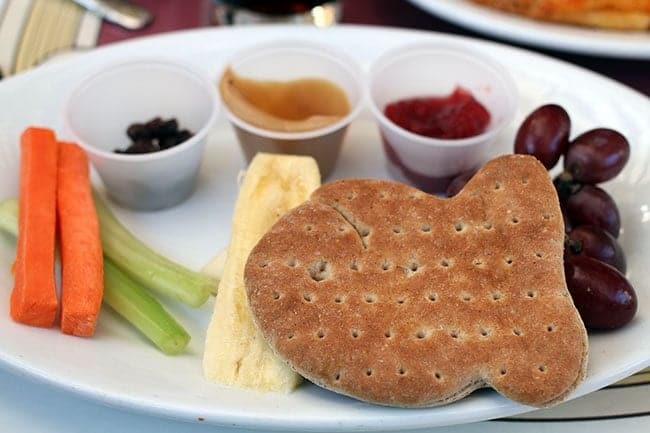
x=289, y=60
x=436, y=69
x=99, y=111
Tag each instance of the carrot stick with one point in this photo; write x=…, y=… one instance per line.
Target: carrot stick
x=33, y=299
x=82, y=270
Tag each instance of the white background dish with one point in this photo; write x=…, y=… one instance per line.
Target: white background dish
x=119, y=368
x=633, y=45
x=30, y=407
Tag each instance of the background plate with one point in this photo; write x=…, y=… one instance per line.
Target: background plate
x=120, y=368
x=610, y=43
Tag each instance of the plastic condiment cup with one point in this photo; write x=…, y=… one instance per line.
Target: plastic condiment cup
x=436, y=69
x=99, y=111
x=289, y=60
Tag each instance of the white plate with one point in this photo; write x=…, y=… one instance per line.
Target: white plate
x=120, y=368
x=609, y=43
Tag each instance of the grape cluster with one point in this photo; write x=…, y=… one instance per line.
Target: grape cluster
x=594, y=262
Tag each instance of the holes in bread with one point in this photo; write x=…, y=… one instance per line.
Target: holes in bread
x=437, y=375
x=355, y=265
x=292, y=262
x=386, y=265
x=498, y=186
x=264, y=263
x=550, y=328
x=425, y=228
x=455, y=334
x=355, y=333
x=487, y=225
x=369, y=372
x=466, y=297
x=320, y=270
x=524, y=181
x=503, y=371
x=309, y=228
x=337, y=376
x=276, y=296
x=432, y=297
x=342, y=229
x=508, y=261
x=411, y=267
x=496, y=296
x=388, y=334
x=383, y=194
x=370, y=298
x=459, y=227
x=364, y=232
x=531, y=293
x=421, y=334
x=401, y=371
x=397, y=230
x=485, y=332
x=546, y=216
x=400, y=300
x=542, y=368
x=320, y=334
x=539, y=255
x=518, y=332
x=308, y=297
x=350, y=196
x=339, y=299
x=446, y=263
x=479, y=263
x=290, y=336
x=514, y=220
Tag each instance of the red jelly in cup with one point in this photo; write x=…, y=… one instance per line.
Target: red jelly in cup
x=439, y=106
x=458, y=115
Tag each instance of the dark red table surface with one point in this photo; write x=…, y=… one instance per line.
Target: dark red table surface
x=183, y=14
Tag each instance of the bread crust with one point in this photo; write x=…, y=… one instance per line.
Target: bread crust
x=376, y=290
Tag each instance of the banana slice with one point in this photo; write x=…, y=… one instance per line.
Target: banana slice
x=215, y=267
x=235, y=351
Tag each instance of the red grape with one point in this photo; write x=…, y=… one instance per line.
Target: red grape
x=459, y=182
x=596, y=243
x=544, y=134
x=597, y=155
x=593, y=206
x=602, y=295
x=565, y=186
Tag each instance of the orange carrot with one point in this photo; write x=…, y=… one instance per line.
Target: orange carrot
x=33, y=299
x=82, y=264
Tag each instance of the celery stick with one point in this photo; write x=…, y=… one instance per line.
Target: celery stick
x=137, y=306
x=140, y=262
x=125, y=296
x=147, y=267
x=9, y=216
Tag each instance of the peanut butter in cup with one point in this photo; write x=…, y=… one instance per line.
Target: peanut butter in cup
x=304, y=112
